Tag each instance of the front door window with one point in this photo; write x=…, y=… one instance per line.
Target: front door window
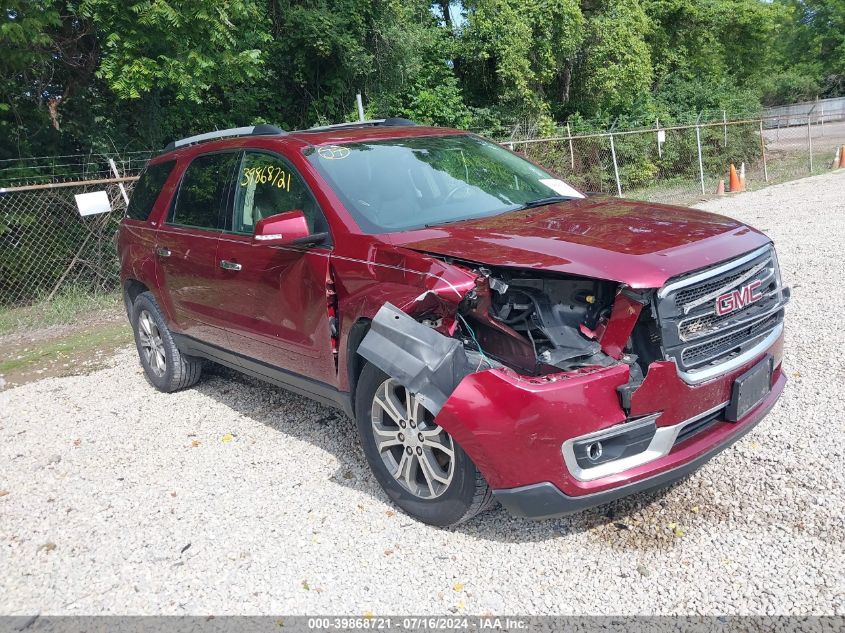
x=268, y=185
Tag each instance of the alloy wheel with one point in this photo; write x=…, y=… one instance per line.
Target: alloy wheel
x=151, y=344
x=416, y=451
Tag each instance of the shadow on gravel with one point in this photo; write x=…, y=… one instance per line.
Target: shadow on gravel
x=607, y=521
x=331, y=431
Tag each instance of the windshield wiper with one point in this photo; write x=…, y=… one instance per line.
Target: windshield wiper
x=541, y=202
x=434, y=225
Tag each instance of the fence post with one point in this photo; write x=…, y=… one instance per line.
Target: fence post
x=763, y=149
x=571, y=152
x=700, y=160
x=360, y=105
x=659, y=146
x=810, y=140
x=615, y=167
x=725, y=120
x=120, y=184
x=821, y=119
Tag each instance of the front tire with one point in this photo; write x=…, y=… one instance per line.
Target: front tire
x=418, y=465
x=165, y=366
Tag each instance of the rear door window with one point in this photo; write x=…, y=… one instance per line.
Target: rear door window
x=147, y=190
x=202, y=199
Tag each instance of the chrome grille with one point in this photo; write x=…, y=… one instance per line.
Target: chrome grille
x=691, y=294
x=704, y=343
x=728, y=344
x=698, y=326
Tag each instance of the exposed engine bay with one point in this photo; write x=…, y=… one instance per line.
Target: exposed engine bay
x=560, y=318
x=531, y=323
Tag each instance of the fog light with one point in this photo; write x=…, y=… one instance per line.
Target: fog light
x=616, y=448
x=613, y=443
x=594, y=451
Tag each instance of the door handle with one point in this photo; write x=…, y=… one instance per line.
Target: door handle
x=225, y=264
x=163, y=252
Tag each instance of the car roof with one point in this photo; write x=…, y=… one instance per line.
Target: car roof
x=330, y=135
x=323, y=136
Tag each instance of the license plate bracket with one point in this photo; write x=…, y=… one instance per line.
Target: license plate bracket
x=750, y=388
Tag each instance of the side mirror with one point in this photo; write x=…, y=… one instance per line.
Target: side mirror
x=281, y=229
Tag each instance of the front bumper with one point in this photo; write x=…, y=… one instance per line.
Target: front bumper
x=514, y=429
x=544, y=500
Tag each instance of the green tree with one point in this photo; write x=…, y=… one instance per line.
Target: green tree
x=518, y=53
x=810, y=51
x=615, y=76
x=95, y=74
x=90, y=75
x=187, y=47
x=710, y=55
x=46, y=60
x=394, y=52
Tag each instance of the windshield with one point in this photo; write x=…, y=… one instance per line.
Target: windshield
x=409, y=183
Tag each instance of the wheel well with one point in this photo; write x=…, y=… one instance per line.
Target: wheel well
x=354, y=362
x=131, y=289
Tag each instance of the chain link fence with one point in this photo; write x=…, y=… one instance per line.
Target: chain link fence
x=683, y=164
x=21, y=172
x=46, y=246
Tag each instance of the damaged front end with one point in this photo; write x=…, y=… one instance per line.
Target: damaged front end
x=559, y=388
x=524, y=323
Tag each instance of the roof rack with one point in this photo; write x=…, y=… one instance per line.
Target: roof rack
x=389, y=122
x=252, y=130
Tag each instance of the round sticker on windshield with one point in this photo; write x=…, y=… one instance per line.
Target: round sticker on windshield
x=333, y=152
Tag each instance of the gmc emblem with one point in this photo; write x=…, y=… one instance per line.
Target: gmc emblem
x=738, y=298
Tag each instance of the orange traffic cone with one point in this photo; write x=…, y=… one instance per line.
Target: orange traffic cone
x=720, y=188
x=742, y=177
x=733, y=180
x=836, y=159
x=842, y=156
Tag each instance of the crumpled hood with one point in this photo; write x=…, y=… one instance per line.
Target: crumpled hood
x=637, y=243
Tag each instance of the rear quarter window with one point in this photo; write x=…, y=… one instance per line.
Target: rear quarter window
x=147, y=190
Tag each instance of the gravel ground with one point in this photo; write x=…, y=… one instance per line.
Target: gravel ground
x=234, y=497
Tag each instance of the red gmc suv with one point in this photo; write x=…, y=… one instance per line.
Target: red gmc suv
x=495, y=333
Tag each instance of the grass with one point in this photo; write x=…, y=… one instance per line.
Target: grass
x=68, y=307
x=79, y=344
x=782, y=167
x=89, y=329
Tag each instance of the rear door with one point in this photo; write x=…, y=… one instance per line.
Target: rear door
x=137, y=235
x=275, y=297
x=186, y=247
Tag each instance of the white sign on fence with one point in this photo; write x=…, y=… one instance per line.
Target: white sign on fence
x=93, y=203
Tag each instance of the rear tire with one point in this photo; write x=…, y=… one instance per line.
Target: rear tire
x=165, y=366
x=444, y=492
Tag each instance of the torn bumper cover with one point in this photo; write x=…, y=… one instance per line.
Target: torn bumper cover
x=515, y=428
x=423, y=361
